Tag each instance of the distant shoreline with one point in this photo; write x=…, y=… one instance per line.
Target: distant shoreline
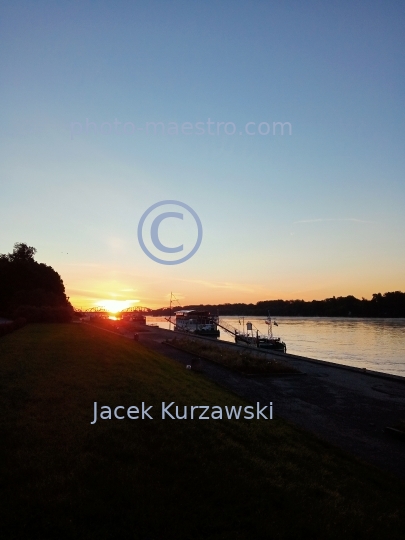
x=275, y=315
x=388, y=305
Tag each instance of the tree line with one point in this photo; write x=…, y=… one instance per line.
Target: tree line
x=389, y=304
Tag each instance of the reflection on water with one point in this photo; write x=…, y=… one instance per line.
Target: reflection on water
x=377, y=344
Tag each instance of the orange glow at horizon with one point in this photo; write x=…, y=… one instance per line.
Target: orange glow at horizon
x=115, y=306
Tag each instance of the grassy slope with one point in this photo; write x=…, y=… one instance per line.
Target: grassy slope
x=64, y=478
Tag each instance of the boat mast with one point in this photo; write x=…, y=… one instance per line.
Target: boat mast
x=172, y=299
x=269, y=326
x=170, y=312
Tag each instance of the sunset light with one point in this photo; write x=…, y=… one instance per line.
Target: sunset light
x=202, y=218
x=115, y=306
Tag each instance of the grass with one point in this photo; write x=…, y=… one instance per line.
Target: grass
x=162, y=479
x=399, y=426
x=240, y=360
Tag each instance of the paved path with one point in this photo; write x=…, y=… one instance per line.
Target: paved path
x=345, y=407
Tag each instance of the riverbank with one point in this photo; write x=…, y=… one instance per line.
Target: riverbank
x=374, y=344
x=131, y=478
x=345, y=406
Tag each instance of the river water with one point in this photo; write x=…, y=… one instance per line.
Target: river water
x=376, y=344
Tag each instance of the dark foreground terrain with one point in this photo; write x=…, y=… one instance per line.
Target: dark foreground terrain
x=158, y=479
x=345, y=406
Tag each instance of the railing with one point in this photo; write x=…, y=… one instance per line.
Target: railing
x=228, y=328
x=103, y=311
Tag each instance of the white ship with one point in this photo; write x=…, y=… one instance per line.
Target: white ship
x=196, y=322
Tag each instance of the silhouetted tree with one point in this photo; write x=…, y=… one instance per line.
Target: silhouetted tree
x=21, y=252
x=25, y=282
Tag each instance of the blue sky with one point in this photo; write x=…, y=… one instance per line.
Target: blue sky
x=308, y=215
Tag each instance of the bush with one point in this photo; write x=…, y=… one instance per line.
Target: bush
x=9, y=327
x=44, y=314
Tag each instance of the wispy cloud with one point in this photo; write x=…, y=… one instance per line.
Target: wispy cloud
x=90, y=265
x=98, y=294
x=224, y=285
x=116, y=244
x=84, y=293
x=332, y=219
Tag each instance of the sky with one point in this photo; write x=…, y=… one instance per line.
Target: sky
x=280, y=124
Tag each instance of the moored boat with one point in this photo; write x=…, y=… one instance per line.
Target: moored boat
x=252, y=336
x=196, y=322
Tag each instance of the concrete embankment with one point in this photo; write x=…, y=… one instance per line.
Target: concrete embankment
x=345, y=406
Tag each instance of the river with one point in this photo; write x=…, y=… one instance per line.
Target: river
x=376, y=344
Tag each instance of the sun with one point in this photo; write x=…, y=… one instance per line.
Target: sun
x=115, y=306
